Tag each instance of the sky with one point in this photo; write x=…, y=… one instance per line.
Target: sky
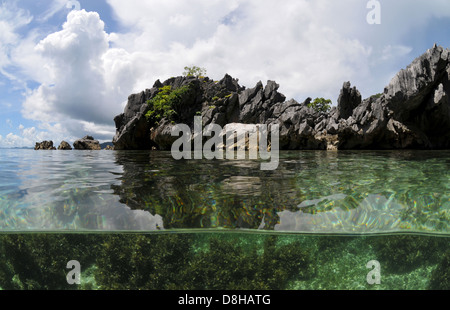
x=67, y=67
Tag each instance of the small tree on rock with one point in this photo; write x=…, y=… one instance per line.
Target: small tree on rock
x=321, y=105
x=194, y=71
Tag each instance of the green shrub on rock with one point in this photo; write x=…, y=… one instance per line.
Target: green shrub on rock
x=321, y=105
x=166, y=103
x=194, y=71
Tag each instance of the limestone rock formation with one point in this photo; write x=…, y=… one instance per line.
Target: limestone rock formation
x=64, y=146
x=349, y=99
x=412, y=113
x=418, y=98
x=45, y=145
x=87, y=143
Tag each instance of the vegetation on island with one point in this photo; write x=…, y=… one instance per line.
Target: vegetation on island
x=194, y=71
x=166, y=103
x=376, y=96
x=321, y=105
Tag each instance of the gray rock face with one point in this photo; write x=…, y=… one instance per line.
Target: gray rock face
x=215, y=101
x=133, y=128
x=87, y=143
x=411, y=86
x=413, y=112
x=418, y=98
x=45, y=145
x=64, y=146
x=349, y=99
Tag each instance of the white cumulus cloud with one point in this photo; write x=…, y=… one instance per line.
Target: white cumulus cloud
x=78, y=86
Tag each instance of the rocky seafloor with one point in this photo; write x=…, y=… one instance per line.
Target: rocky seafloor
x=221, y=261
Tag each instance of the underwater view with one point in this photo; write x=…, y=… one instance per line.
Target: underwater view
x=347, y=220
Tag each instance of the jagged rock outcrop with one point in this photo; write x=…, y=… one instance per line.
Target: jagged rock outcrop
x=64, y=146
x=413, y=112
x=133, y=129
x=45, y=145
x=417, y=97
x=349, y=99
x=87, y=143
x=215, y=101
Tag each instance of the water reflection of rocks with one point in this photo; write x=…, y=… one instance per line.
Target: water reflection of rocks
x=320, y=192
x=317, y=192
x=205, y=194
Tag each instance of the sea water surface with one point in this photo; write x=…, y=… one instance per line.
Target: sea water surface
x=142, y=220
x=311, y=192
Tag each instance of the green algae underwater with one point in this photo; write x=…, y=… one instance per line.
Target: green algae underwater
x=143, y=221
x=223, y=261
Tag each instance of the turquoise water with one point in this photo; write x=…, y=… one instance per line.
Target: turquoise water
x=133, y=218
x=310, y=192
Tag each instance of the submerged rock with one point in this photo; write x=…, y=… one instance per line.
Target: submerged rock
x=87, y=143
x=45, y=145
x=413, y=112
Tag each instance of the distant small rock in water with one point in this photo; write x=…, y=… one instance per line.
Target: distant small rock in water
x=87, y=143
x=64, y=146
x=109, y=148
x=45, y=145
